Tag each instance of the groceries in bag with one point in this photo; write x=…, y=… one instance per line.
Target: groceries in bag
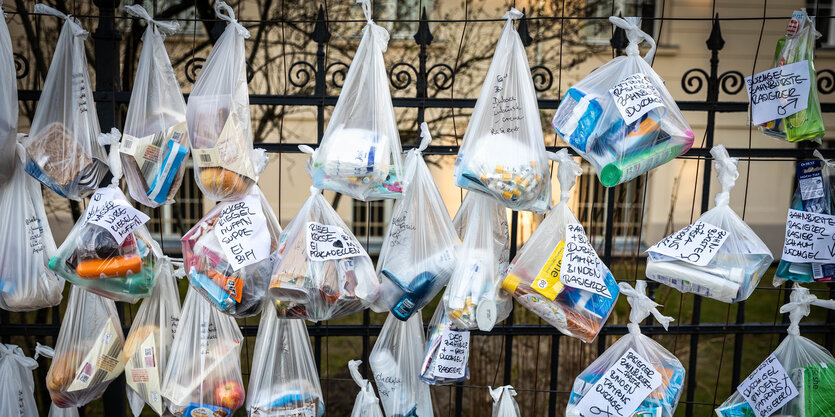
x=8, y=103
x=446, y=356
x=17, y=393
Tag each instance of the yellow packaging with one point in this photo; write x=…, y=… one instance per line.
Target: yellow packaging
x=547, y=281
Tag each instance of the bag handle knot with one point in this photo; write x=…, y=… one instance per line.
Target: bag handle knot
x=726, y=171
x=169, y=27
x=224, y=12
x=567, y=171
x=634, y=33
x=77, y=30
x=798, y=307
x=642, y=306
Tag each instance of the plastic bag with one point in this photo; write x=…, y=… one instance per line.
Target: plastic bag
x=796, y=46
x=8, y=103
x=25, y=281
x=503, y=403
x=740, y=258
x=367, y=404
x=155, y=145
x=453, y=368
x=149, y=342
x=62, y=148
x=419, y=252
x=218, y=119
x=808, y=365
x=17, y=395
x=557, y=274
x=284, y=380
x=88, y=354
x=203, y=374
x=503, y=153
x=621, y=118
x=109, y=251
x=395, y=360
x=230, y=254
x=323, y=273
x=815, y=194
x=655, y=391
x=473, y=298
x=359, y=155
x=55, y=411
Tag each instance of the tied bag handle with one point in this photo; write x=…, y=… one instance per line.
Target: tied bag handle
x=635, y=35
x=169, y=27
x=567, y=171
x=224, y=12
x=726, y=171
x=77, y=30
x=798, y=307
x=641, y=306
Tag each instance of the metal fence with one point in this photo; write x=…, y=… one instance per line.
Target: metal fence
x=419, y=73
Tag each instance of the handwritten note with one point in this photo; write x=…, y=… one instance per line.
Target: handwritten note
x=327, y=242
x=810, y=237
x=241, y=229
x=581, y=267
x=778, y=92
x=453, y=353
x=622, y=388
x=507, y=109
x=696, y=244
x=768, y=388
x=100, y=198
x=635, y=96
x=118, y=217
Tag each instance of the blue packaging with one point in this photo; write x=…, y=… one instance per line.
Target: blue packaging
x=161, y=186
x=202, y=410
x=214, y=292
x=596, y=304
x=576, y=123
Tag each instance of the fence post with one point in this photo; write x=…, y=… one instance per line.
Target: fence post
x=423, y=38
x=321, y=35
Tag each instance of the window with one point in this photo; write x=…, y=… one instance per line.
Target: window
x=369, y=222
x=824, y=26
x=401, y=10
x=600, y=31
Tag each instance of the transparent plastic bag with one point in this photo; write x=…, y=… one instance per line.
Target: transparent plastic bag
x=359, y=155
x=736, y=266
x=395, y=360
x=503, y=153
x=62, y=146
x=323, y=273
x=88, y=354
x=17, y=395
x=218, y=118
x=8, y=103
x=55, y=411
x=231, y=252
x=155, y=145
x=419, y=252
x=25, y=281
x=557, y=274
x=203, y=374
x=503, y=403
x=367, y=404
x=438, y=326
x=630, y=352
x=473, y=298
x=809, y=366
x=149, y=342
x=621, y=118
x=109, y=251
x=796, y=46
x=284, y=380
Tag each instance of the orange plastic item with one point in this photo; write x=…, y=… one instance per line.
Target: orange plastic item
x=233, y=286
x=109, y=268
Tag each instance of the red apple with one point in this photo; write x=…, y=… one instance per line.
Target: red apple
x=230, y=394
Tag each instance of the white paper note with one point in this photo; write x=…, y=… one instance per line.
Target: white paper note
x=99, y=198
x=118, y=217
x=453, y=353
x=778, y=92
x=623, y=387
x=810, y=237
x=768, y=388
x=327, y=242
x=241, y=229
x=696, y=244
x=635, y=96
x=581, y=267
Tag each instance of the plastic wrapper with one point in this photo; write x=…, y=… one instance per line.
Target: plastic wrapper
x=735, y=269
x=435, y=347
x=149, y=342
x=621, y=118
x=25, y=281
x=367, y=404
x=88, y=354
x=230, y=254
x=203, y=374
x=155, y=145
x=503, y=153
x=395, y=360
x=796, y=46
x=17, y=395
x=359, y=155
x=420, y=248
x=218, y=118
x=631, y=366
x=808, y=365
x=8, y=103
x=62, y=146
x=284, y=380
x=473, y=298
x=109, y=251
x=557, y=275
x=323, y=273
x=55, y=411
x=503, y=403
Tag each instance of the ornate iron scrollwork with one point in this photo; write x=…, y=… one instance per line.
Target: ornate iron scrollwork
x=543, y=78
x=693, y=80
x=21, y=65
x=443, y=78
x=826, y=81
x=402, y=78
